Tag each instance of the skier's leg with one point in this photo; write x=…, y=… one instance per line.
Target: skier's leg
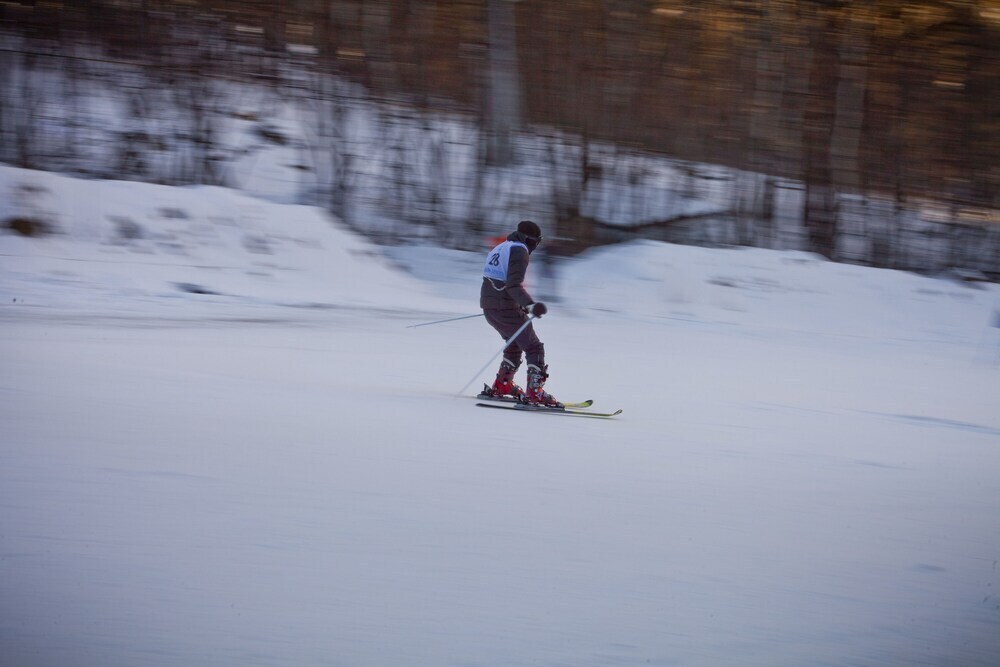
x=538, y=371
x=534, y=349
x=536, y=394
x=506, y=324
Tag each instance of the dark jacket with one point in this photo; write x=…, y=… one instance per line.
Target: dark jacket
x=510, y=295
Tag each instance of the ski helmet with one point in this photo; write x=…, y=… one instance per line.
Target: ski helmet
x=532, y=233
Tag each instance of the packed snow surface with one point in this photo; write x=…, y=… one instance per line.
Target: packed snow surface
x=222, y=445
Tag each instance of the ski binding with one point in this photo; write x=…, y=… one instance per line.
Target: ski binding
x=487, y=395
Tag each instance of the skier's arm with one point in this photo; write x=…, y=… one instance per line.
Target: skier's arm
x=516, y=268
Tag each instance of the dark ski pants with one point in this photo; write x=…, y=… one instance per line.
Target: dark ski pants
x=507, y=322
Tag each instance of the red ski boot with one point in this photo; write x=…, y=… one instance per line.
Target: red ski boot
x=504, y=385
x=535, y=394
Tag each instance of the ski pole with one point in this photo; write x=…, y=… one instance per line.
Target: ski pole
x=493, y=358
x=453, y=319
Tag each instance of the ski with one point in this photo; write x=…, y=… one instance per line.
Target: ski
x=569, y=412
x=483, y=396
x=510, y=399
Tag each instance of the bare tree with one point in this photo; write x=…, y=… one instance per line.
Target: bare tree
x=326, y=112
x=504, y=109
x=753, y=190
x=820, y=215
x=376, y=24
x=21, y=120
x=10, y=71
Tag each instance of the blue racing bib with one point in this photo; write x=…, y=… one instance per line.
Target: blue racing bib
x=498, y=259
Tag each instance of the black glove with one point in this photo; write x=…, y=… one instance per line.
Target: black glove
x=538, y=309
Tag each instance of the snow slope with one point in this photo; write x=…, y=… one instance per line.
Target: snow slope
x=272, y=469
x=119, y=244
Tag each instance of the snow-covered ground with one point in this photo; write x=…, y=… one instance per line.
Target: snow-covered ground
x=221, y=445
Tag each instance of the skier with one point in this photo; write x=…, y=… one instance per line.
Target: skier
x=506, y=305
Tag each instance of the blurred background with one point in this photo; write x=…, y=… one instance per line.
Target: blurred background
x=866, y=132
